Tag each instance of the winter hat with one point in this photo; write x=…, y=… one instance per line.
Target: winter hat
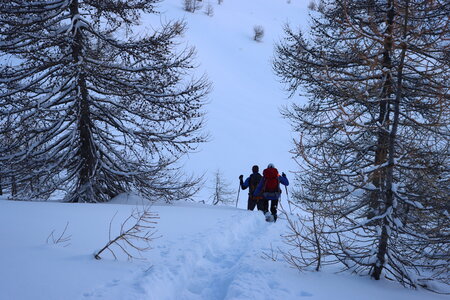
x=271, y=165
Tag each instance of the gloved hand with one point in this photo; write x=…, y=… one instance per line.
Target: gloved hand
x=284, y=175
x=241, y=177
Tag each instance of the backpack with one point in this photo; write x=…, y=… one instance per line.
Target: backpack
x=254, y=181
x=253, y=184
x=271, y=181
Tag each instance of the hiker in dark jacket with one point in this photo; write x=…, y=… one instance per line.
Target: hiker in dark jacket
x=269, y=189
x=252, y=182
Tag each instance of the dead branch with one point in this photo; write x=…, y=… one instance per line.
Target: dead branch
x=136, y=234
x=62, y=238
x=272, y=255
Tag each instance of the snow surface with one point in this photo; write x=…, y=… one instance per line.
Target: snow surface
x=202, y=252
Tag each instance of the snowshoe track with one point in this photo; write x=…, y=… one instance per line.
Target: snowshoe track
x=211, y=265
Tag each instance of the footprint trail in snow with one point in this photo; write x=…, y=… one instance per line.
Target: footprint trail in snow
x=222, y=260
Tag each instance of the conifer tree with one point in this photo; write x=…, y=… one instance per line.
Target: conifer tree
x=222, y=193
x=94, y=110
x=374, y=135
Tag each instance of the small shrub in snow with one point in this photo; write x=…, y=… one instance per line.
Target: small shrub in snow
x=258, y=33
x=187, y=4
x=209, y=10
x=192, y=5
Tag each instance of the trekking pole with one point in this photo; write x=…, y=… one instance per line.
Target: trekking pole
x=239, y=189
x=289, y=202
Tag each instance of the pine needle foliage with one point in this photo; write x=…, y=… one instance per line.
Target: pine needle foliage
x=374, y=136
x=92, y=109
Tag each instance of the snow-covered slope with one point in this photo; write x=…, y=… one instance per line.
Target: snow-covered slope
x=202, y=252
x=243, y=115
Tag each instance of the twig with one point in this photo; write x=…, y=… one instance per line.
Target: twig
x=128, y=239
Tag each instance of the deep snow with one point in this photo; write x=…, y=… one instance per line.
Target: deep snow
x=202, y=252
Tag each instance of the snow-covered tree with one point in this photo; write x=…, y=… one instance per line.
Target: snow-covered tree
x=374, y=136
x=92, y=109
x=222, y=194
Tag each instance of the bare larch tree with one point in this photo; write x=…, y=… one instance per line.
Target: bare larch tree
x=221, y=192
x=89, y=108
x=374, y=135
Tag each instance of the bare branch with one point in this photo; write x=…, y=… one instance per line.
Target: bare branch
x=62, y=238
x=135, y=235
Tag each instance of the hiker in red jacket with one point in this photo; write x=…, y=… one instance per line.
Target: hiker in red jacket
x=269, y=189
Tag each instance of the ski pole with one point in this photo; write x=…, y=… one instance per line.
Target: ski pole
x=239, y=189
x=287, y=196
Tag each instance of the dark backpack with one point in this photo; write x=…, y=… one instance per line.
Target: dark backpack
x=255, y=178
x=271, y=181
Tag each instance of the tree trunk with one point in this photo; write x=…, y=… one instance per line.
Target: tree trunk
x=317, y=242
x=380, y=195
x=381, y=152
x=13, y=186
x=387, y=220
x=87, y=150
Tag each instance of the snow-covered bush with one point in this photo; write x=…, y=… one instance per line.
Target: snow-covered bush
x=192, y=5
x=258, y=33
x=209, y=10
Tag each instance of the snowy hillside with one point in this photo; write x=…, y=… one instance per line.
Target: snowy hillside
x=202, y=252
x=244, y=121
